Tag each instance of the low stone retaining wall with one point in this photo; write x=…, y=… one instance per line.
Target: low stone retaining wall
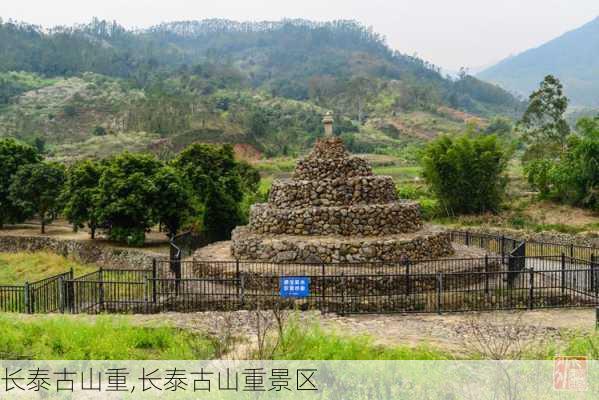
x=82, y=251
x=335, y=192
x=424, y=245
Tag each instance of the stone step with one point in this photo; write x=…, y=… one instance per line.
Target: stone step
x=427, y=243
x=291, y=193
x=331, y=168
x=357, y=220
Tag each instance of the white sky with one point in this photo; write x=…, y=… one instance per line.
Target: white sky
x=450, y=34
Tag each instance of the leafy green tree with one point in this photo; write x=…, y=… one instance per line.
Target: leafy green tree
x=127, y=192
x=12, y=155
x=574, y=177
x=36, y=188
x=221, y=213
x=80, y=194
x=174, y=203
x=466, y=174
x=544, y=125
x=202, y=164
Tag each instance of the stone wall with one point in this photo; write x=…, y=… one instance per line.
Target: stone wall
x=424, y=245
x=331, y=168
x=362, y=220
x=336, y=192
x=82, y=251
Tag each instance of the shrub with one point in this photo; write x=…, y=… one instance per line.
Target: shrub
x=466, y=174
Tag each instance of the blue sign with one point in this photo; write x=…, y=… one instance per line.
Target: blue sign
x=294, y=286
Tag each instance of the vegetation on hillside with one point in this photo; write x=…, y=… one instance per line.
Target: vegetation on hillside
x=265, y=84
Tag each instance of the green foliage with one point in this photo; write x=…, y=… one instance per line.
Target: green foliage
x=545, y=127
x=36, y=188
x=202, y=164
x=126, y=195
x=99, y=131
x=80, y=194
x=106, y=338
x=12, y=155
x=466, y=174
x=222, y=80
x=574, y=178
x=312, y=343
x=221, y=213
x=174, y=203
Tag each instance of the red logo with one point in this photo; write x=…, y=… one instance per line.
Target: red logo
x=570, y=373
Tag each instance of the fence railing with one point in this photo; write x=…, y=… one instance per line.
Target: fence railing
x=504, y=245
x=511, y=276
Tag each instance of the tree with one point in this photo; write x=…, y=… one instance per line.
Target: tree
x=201, y=164
x=544, y=125
x=36, y=189
x=221, y=213
x=466, y=174
x=127, y=192
x=80, y=194
x=574, y=177
x=174, y=201
x=12, y=155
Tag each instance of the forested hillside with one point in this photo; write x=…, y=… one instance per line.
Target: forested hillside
x=262, y=84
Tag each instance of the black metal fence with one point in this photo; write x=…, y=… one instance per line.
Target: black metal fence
x=515, y=275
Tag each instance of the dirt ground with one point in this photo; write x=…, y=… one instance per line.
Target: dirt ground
x=449, y=332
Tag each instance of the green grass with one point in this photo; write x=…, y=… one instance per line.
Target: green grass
x=312, y=343
x=108, y=338
x=399, y=173
x=18, y=268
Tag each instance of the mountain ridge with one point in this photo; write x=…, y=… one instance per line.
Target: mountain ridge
x=573, y=57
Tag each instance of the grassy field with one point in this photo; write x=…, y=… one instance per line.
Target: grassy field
x=106, y=338
x=313, y=343
x=17, y=268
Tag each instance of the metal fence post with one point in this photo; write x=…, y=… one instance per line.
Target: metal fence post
x=101, y=287
x=486, y=274
x=242, y=290
x=502, y=249
x=324, y=289
x=531, y=282
x=237, y=274
x=61, y=295
x=154, y=281
x=571, y=250
x=407, y=277
x=563, y=277
x=467, y=238
x=27, y=298
x=342, y=312
x=594, y=285
x=439, y=291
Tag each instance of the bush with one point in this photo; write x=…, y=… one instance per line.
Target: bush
x=574, y=177
x=466, y=174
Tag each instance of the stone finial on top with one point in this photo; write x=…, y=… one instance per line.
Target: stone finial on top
x=328, y=124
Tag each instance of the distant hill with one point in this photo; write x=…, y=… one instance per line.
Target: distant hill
x=264, y=84
x=572, y=57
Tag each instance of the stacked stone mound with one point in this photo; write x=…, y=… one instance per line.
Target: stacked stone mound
x=334, y=209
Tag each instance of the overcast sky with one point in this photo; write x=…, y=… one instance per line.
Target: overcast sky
x=450, y=34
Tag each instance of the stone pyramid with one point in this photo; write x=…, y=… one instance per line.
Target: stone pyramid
x=334, y=209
